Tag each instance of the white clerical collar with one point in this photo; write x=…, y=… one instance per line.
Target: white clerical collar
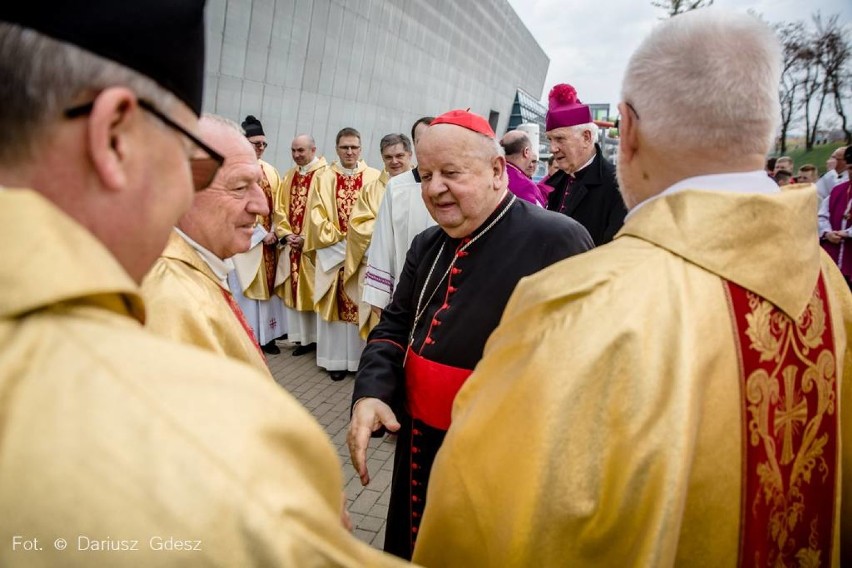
x=220, y=267
x=348, y=171
x=584, y=166
x=307, y=167
x=737, y=182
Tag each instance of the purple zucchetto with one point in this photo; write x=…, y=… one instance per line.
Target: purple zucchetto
x=565, y=109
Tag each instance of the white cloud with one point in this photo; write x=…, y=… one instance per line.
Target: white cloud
x=590, y=42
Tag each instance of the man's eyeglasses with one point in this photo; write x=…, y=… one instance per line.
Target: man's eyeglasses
x=349, y=148
x=630, y=106
x=260, y=145
x=203, y=169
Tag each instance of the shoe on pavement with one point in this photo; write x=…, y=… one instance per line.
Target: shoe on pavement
x=337, y=375
x=271, y=348
x=303, y=349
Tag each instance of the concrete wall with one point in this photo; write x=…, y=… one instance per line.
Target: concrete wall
x=316, y=66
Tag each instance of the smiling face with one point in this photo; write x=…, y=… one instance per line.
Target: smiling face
x=259, y=144
x=397, y=160
x=303, y=150
x=223, y=216
x=463, y=177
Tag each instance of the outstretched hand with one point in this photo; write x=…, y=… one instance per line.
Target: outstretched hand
x=368, y=415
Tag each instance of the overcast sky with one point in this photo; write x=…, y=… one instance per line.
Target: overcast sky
x=590, y=41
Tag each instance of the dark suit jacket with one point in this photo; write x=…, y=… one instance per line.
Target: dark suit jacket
x=594, y=199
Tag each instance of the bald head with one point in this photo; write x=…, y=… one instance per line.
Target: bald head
x=463, y=177
x=518, y=148
x=838, y=156
x=304, y=149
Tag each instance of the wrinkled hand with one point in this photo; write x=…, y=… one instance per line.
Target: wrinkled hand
x=270, y=239
x=834, y=237
x=295, y=241
x=345, y=519
x=369, y=415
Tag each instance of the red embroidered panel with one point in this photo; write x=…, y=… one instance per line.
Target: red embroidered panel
x=270, y=252
x=790, y=431
x=346, y=192
x=299, y=200
x=347, y=310
x=298, y=204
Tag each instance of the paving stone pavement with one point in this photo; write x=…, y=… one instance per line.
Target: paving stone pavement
x=329, y=402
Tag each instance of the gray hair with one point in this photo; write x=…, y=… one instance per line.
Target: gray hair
x=578, y=129
x=221, y=120
x=707, y=79
x=42, y=77
x=394, y=139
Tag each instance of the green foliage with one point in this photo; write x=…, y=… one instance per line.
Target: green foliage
x=816, y=156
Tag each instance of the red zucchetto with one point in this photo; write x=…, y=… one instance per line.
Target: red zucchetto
x=466, y=119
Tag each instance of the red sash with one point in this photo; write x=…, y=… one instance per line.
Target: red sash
x=790, y=430
x=242, y=319
x=431, y=388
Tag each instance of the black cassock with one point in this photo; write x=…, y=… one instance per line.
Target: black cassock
x=461, y=305
x=593, y=198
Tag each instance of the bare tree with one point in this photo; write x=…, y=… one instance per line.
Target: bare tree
x=813, y=89
x=833, y=55
x=794, y=42
x=675, y=7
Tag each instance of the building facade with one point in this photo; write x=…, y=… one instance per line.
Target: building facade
x=316, y=66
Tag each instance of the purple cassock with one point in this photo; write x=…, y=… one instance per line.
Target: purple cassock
x=524, y=187
x=840, y=210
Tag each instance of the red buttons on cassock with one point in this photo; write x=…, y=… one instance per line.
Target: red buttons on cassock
x=463, y=253
x=451, y=289
x=415, y=514
x=435, y=322
x=416, y=432
x=415, y=498
x=414, y=482
x=414, y=529
x=415, y=466
x=429, y=341
x=415, y=450
x=455, y=271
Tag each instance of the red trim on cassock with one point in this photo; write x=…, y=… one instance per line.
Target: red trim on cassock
x=242, y=319
x=431, y=389
x=394, y=343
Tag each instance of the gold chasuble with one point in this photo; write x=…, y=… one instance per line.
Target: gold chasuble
x=295, y=280
x=329, y=209
x=361, y=222
x=677, y=397
x=264, y=282
x=187, y=302
x=115, y=436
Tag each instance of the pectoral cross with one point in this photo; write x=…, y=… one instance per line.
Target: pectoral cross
x=791, y=413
